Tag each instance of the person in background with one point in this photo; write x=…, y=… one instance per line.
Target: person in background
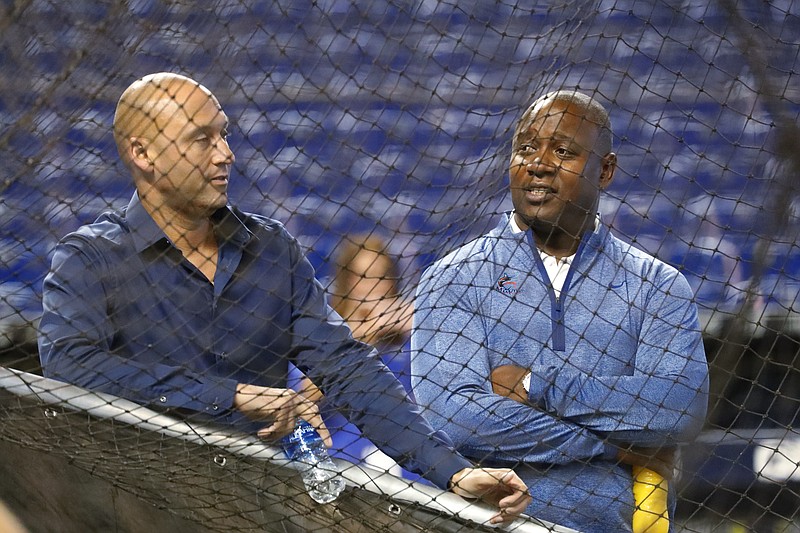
x=551, y=346
x=365, y=292
x=184, y=302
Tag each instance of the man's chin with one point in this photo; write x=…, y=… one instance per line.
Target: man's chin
x=527, y=220
x=219, y=202
x=209, y=208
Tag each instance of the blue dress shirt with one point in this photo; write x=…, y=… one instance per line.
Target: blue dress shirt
x=125, y=313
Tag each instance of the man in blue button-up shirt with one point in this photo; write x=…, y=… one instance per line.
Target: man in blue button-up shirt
x=183, y=302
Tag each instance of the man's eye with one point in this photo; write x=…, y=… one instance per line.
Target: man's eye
x=526, y=149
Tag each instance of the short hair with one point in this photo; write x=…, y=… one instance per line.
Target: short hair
x=593, y=111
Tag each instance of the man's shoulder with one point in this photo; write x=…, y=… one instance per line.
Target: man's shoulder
x=635, y=259
x=255, y=220
x=100, y=244
x=473, y=254
x=628, y=251
x=109, y=227
x=260, y=224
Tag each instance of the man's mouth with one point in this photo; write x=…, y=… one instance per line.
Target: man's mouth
x=537, y=194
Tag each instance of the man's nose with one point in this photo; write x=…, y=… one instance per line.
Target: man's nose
x=537, y=166
x=224, y=152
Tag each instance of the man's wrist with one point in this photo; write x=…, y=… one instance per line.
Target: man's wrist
x=455, y=478
x=456, y=483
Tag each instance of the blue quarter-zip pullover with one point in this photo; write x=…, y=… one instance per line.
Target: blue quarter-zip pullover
x=617, y=358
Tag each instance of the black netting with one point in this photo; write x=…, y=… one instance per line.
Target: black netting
x=384, y=128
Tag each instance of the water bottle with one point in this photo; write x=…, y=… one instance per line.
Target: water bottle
x=320, y=475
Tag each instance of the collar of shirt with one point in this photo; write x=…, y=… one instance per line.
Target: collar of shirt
x=548, y=259
x=145, y=232
x=556, y=270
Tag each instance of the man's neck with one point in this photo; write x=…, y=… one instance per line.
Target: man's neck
x=554, y=240
x=194, y=237
x=188, y=232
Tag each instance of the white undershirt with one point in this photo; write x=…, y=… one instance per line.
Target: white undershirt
x=556, y=270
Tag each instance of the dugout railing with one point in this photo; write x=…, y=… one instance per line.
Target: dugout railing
x=210, y=479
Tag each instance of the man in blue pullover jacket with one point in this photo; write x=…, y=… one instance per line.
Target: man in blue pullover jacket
x=186, y=303
x=552, y=346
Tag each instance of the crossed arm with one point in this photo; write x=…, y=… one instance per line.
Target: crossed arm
x=507, y=381
x=568, y=415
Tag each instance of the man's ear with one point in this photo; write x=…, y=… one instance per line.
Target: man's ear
x=607, y=167
x=137, y=151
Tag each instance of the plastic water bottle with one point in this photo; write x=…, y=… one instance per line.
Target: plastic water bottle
x=320, y=474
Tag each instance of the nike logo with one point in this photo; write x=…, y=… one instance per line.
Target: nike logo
x=616, y=285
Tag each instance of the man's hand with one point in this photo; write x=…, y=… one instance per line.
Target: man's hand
x=659, y=460
x=500, y=487
x=282, y=406
x=507, y=381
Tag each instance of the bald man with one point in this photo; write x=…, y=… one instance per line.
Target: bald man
x=551, y=345
x=183, y=302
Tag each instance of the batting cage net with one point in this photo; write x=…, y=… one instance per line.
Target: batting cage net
x=374, y=140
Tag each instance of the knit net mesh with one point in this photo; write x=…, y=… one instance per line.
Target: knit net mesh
x=392, y=119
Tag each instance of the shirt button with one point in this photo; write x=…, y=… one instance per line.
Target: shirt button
x=163, y=399
x=215, y=407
